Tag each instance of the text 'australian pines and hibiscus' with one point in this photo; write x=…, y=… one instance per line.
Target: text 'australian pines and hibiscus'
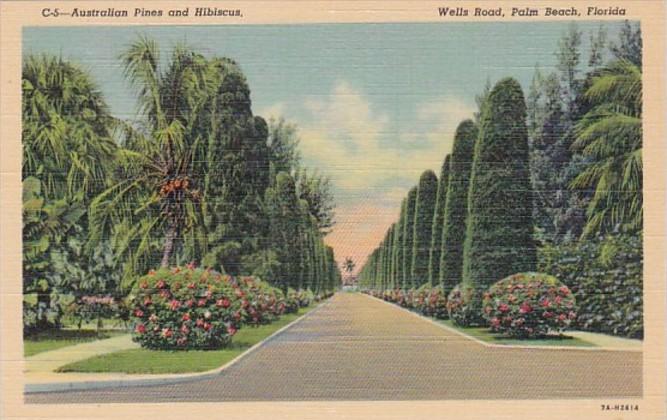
x=495, y=12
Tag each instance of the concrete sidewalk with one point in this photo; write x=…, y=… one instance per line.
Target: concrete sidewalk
x=41, y=367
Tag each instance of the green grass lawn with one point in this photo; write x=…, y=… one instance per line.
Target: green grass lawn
x=158, y=361
x=52, y=340
x=484, y=334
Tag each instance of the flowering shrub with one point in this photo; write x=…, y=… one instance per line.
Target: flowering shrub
x=187, y=308
x=408, y=299
x=529, y=304
x=305, y=298
x=291, y=301
x=265, y=303
x=431, y=301
x=464, y=306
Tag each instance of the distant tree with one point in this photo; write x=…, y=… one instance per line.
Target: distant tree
x=349, y=265
x=285, y=220
x=317, y=191
x=569, y=58
x=456, y=205
x=438, y=220
x=598, y=43
x=283, y=143
x=629, y=45
x=423, y=223
x=398, y=245
x=408, y=237
x=499, y=239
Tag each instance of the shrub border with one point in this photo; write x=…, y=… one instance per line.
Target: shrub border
x=167, y=379
x=503, y=346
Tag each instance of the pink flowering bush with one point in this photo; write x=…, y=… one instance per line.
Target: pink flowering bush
x=529, y=305
x=187, y=308
x=431, y=301
x=463, y=306
x=263, y=304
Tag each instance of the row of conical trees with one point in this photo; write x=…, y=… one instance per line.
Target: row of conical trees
x=473, y=224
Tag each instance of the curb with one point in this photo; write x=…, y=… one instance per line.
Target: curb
x=502, y=346
x=163, y=379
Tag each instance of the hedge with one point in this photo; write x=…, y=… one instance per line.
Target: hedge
x=606, y=277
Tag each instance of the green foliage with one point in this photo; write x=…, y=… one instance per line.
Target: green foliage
x=529, y=305
x=499, y=238
x=464, y=306
x=408, y=237
x=67, y=129
x=424, y=210
x=610, y=137
x=438, y=221
x=605, y=275
x=456, y=205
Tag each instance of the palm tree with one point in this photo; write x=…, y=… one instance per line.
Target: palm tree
x=157, y=193
x=349, y=265
x=67, y=139
x=610, y=136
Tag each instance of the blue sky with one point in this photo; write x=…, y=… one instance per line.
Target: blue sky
x=376, y=104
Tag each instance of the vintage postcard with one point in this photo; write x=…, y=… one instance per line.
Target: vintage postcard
x=336, y=209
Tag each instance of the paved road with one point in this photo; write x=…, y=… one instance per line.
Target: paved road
x=358, y=348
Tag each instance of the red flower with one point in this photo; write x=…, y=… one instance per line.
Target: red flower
x=207, y=326
x=165, y=294
x=495, y=322
x=174, y=305
x=153, y=318
x=160, y=284
x=166, y=332
x=181, y=341
x=191, y=285
x=199, y=322
x=571, y=315
x=548, y=314
x=138, y=313
x=176, y=270
x=191, y=265
x=237, y=315
x=231, y=330
x=245, y=303
x=525, y=308
x=185, y=329
x=558, y=300
x=562, y=317
x=151, y=272
x=189, y=303
x=239, y=293
x=143, y=285
x=201, y=302
x=503, y=307
x=141, y=328
x=546, y=303
x=564, y=290
x=147, y=301
x=186, y=317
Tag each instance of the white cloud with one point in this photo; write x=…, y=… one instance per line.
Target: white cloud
x=355, y=145
x=370, y=163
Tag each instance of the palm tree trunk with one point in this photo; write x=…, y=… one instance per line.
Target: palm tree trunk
x=168, y=245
